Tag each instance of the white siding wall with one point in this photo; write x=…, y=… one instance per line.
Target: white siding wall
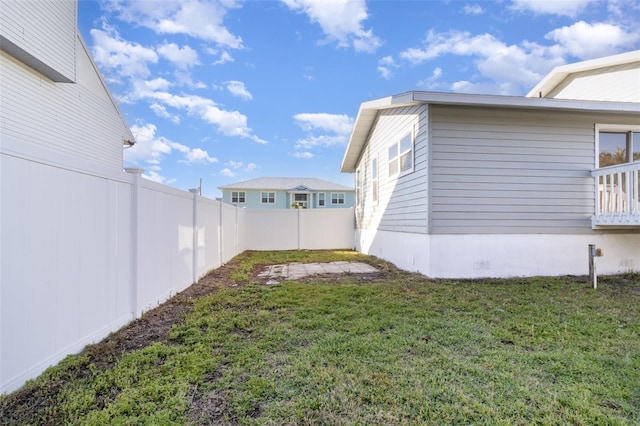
x=620, y=83
x=27, y=24
x=74, y=122
x=512, y=171
x=402, y=204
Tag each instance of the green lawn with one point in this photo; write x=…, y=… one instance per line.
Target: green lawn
x=396, y=349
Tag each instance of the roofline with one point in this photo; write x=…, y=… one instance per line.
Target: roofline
x=559, y=73
x=368, y=112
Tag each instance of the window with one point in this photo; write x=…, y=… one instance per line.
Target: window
x=374, y=179
x=337, y=198
x=321, y=202
x=237, y=197
x=268, y=197
x=300, y=199
x=401, y=156
x=618, y=145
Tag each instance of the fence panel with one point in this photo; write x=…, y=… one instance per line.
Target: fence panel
x=327, y=229
x=66, y=262
x=292, y=229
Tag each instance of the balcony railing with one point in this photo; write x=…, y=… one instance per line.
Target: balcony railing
x=617, y=196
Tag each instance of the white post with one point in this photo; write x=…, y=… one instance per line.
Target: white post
x=135, y=237
x=194, y=252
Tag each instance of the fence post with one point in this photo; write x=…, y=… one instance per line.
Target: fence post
x=299, y=228
x=220, y=241
x=135, y=237
x=194, y=251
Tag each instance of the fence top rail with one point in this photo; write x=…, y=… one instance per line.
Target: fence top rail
x=618, y=168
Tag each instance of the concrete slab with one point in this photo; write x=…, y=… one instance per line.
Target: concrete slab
x=293, y=271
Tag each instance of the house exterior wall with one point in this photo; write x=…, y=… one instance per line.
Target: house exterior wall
x=25, y=29
x=509, y=193
x=507, y=171
x=402, y=199
x=618, y=83
x=283, y=200
x=75, y=124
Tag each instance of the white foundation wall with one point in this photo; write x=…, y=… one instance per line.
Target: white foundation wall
x=502, y=256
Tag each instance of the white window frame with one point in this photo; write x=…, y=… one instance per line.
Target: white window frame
x=394, y=163
x=629, y=130
x=268, y=197
x=240, y=199
x=322, y=198
x=338, y=198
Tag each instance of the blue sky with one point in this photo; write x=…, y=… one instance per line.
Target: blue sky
x=229, y=90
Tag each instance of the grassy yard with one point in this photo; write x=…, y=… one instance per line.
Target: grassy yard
x=391, y=349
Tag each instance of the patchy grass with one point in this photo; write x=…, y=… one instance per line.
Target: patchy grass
x=396, y=349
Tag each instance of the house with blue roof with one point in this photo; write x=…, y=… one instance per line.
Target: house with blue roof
x=288, y=192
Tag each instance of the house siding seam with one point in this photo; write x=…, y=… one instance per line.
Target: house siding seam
x=402, y=205
x=508, y=171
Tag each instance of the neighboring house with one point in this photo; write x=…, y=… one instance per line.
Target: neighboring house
x=288, y=192
x=612, y=78
x=458, y=185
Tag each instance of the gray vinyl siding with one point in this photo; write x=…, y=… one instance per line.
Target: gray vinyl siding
x=507, y=171
x=402, y=200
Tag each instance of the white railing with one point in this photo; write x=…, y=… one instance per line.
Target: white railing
x=617, y=195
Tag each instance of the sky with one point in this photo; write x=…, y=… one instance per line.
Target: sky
x=225, y=91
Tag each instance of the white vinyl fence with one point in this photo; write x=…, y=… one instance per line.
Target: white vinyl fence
x=83, y=253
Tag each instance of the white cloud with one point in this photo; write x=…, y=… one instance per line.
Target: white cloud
x=230, y=123
x=472, y=9
x=124, y=58
x=237, y=165
x=227, y=172
x=199, y=19
x=198, y=156
x=183, y=57
x=386, y=65
x=432, y=82
x=238, y=89
x=341, y=124
x=585, y=41
x=522, y=66
x=322, y=130
x=223, y=59
x=161, y=111
x=305, y=154
x=552, y=7
x=156, y=177
x=340, y=20
x=151, y=150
